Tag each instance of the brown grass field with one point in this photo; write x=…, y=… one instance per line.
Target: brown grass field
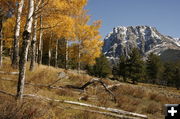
x=142, y=98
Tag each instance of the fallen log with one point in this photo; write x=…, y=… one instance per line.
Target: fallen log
x=54, y=82
x=92, y=81
x=80, y=90
x=69, y=86
x=9, y=73
x=113, y=110
x=8, y=79
x=118, y=111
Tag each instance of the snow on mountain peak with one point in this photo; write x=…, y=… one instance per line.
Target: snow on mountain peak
x=122, y=39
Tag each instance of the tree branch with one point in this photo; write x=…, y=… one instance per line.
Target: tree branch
x=92, y=81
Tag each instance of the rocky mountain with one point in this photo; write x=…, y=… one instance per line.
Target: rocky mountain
x=147, y=39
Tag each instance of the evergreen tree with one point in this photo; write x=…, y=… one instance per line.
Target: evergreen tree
x=169, y=73
x=135, y=66
x=121, y=68
x=101, y=69
x=177, y=77
x=153, y=67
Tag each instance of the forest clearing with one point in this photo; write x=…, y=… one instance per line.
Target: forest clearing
x=142, y=98
x=54, y=64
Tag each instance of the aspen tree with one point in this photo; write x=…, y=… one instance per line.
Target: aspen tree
x=8, y=33
x=49, y=49
x=62, y=14
x=17, y=34
x=91, y=45
x=6, y=6
x=40, y=46
x=81, y=28
x=34, y=39
x=24, y=52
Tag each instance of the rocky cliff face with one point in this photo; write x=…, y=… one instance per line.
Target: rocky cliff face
x=147, y=39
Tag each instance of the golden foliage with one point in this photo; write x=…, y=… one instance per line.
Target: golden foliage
x=9, y=31
x=63, y=19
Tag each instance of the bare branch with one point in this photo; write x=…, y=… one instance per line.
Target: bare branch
x=92, y=81
x=6, y=93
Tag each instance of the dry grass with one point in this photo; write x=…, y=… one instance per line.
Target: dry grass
x=104, y=99
x=28, y=109
x=153, y=108
x=157, y=97
x=143, y=98
x=66, y=92
x=87, y=115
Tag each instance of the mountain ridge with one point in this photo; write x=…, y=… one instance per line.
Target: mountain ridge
x=146, y=38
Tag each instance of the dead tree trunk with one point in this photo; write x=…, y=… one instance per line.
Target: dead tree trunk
x=16, y=35
x=56, y=54
x=1, y=40
x=92, y=81
x=108, y=109
x=24, y=52
x=40, y=42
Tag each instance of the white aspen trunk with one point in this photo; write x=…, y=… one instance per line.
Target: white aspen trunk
x=24, y=52
x=56, y=54
x=40, y=42
x=34, y=40
x=49, y=57
x=33, y=45
x=37, y=45
x=49, y=51
x=1, y=41
x=17, y=34
x=66, y=55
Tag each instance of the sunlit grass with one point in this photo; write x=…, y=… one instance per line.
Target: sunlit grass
x=141, y=98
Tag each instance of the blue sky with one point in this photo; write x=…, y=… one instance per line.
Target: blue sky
x=162, y=14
